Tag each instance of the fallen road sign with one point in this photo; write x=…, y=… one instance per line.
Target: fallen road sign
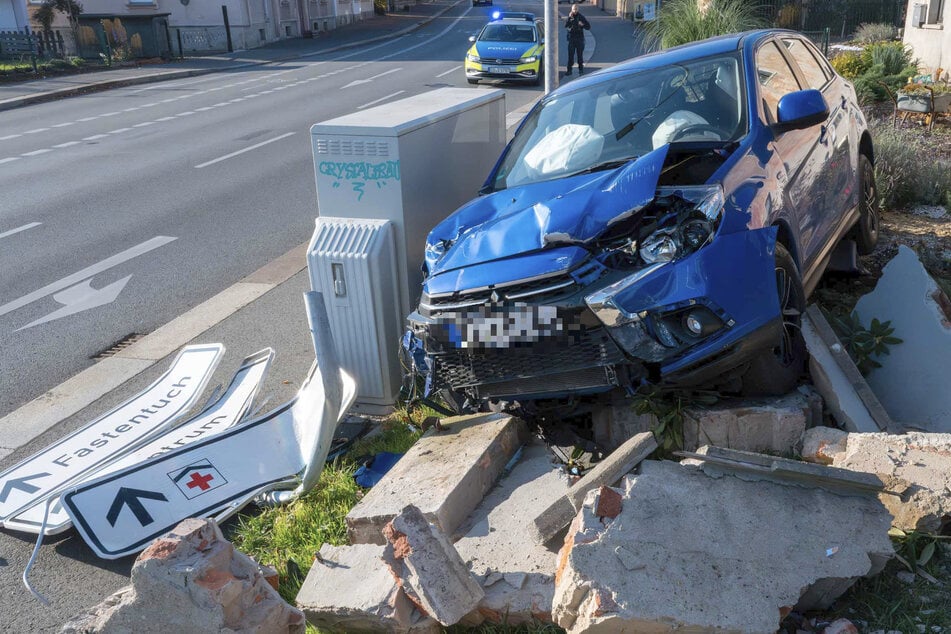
x=227, y=411
x=120, y=513
x=125, y=427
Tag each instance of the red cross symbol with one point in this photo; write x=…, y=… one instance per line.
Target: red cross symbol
x=200, y=481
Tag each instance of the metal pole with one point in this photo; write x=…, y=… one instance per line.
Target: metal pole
x=551, y=45
x=224, y=14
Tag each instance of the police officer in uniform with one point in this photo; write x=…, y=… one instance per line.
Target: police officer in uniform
x=576, y=25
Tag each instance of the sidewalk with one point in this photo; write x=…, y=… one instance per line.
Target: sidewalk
x=377, y=28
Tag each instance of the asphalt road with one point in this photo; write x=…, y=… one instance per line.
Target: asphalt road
x=164, y=195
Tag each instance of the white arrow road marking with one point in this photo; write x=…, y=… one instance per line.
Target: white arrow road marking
x=19, y=229
x=451, y=70
x=81, y=297
x=358, y=82
x=376, y=101
x=247, y=149
x=87, y=273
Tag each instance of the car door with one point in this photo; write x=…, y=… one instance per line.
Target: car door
x=838, y=177
x=802, y=152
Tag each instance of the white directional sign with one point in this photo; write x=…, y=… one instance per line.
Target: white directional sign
x=137, y=420
x=120, y=513
x=223, y=414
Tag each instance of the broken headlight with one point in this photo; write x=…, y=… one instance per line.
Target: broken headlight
x=693, y=219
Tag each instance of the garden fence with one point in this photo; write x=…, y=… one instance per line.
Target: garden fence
x=840, y=17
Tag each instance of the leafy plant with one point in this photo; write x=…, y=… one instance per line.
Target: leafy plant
x=850, y=64
x=894, y=57
x=669, y=409
x=902, y=178
x=864, y=343
x=46, y=11
x=870, y=33
x=915, y=549
x=683, y=21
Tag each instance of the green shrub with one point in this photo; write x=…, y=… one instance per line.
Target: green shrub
x=902, y=176
x=871, y=33
x=683, y=21
x=893, y=57
x=850, y=64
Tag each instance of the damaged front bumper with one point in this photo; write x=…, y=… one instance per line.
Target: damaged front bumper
x=684, y=322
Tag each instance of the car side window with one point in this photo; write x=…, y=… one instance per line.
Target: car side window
x=811, y=70
x=776, y=78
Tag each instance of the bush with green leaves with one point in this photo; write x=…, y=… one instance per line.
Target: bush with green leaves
x=902, y=177
x=870, y=33
x=850, y=64
x=864, y=343
x=684, y=21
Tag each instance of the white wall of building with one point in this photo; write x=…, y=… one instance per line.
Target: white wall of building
x=928, y=39
x=13, y=15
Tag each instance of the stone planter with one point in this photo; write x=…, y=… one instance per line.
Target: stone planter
x=921, y=102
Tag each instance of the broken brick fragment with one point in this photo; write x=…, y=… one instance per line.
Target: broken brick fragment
x=609, y=503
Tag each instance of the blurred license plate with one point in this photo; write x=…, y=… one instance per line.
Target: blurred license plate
x=500, y=70
x=513, y=326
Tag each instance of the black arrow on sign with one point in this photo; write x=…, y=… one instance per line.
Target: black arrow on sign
x=131, y=497
x=20, y=483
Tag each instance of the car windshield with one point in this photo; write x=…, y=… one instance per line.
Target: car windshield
x=508, y=33
x=608, y=123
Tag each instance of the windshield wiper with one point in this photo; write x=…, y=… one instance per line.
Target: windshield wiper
x=605, y=165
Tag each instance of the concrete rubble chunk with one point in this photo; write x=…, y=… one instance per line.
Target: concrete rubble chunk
x=517, y=571
x=351, y=589
x=847, y=395
x=916, y=470
x=192, y=580
x=445, y=474
x=703, y=553
x=429, y=569
x=912, y=382
x=761, y=424
x=622, y=460
x=822, y=444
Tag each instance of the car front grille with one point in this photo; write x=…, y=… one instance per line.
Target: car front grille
x=587, y=349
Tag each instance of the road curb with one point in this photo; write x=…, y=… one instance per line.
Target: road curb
x=109, y=84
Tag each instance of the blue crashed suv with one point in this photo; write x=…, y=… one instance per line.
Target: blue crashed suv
x=662, y=220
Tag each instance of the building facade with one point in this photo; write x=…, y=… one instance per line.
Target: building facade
x=13, y=15
x=926, y=35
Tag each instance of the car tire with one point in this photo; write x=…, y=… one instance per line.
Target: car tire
x=865, y=232
x=472, y=81
x=776, y=371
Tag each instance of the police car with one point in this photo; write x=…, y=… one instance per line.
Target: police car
x=511, y=46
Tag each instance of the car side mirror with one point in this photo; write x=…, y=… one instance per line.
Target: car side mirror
x=800, y=110
x=472, y=38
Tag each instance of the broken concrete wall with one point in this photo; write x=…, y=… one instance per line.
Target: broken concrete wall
x=192, y=580
x=517, y=573
x=912, y=382
x=916, y=470
x=704, y=553
x=445, y=474
x=764, y=424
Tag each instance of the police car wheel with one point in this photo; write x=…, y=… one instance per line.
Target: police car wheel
x=472, y=81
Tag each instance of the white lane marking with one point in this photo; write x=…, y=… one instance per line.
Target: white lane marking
x=9, y=136
x=376, y=101
x=37, y=152
x=143, y=124
x=204, y=109
x=9, y=159
x=63, y=125
x=451, y=70
x=95, y=137
x=358, y=82
x=148, y=105
x=67, y=144
x=36, y=130
x=165, y=118
x=169, y=99
x=119, y=131
x=247, y=149
x=109, y=114
x=87, y=272
x=85, y=119
x=185, y=114
x=132, y=109
x=19, y=229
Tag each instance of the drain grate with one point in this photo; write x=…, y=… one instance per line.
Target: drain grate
x=118, y=347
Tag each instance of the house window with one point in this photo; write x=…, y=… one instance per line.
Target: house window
x=936, y=12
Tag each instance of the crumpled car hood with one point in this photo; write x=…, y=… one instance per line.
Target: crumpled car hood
x=543, y=215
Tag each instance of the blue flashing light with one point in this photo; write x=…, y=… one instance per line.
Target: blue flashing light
x=496, y=15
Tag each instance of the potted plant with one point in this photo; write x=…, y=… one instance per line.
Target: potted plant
x=924, y=97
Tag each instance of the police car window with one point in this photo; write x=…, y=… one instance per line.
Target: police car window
x=811, y=71
x=775, y=78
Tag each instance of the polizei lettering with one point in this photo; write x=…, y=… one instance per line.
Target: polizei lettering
x=107, y=437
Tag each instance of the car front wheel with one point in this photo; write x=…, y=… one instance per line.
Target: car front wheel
x=472, y=81
x=776, y=371
x=865, y=232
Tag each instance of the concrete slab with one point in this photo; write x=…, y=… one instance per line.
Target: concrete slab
x=349, y=588
x=622, y=460
x=516, y=571
x=695, y=553
x=916, y=469
x=913, y=380
x=847, y=395
x=429, y=569
x=445, y=474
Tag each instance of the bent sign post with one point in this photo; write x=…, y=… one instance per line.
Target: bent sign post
x=120, y=513
x=226, y=412
x=47, y=472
